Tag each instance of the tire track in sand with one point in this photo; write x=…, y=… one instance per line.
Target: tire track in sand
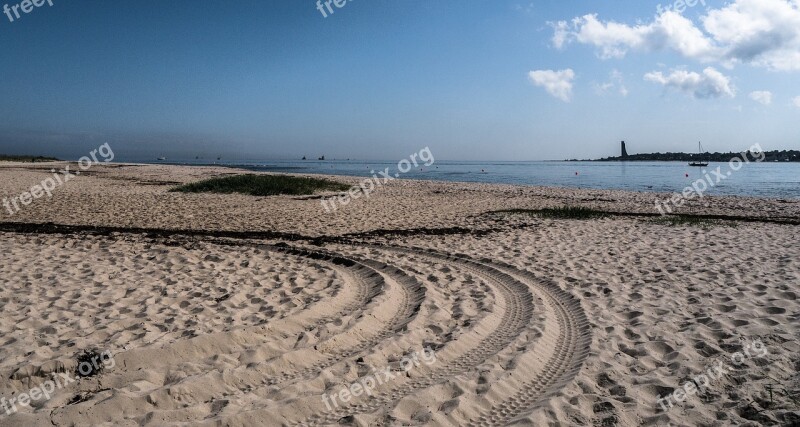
x=413, y=293
x=562, y=349
x=570, y=349
x=517, y=317
x=372, y=283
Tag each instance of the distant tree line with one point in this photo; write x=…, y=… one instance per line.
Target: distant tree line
x=769, y=156
x=32, y=159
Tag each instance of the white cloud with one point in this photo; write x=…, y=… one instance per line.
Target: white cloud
x=710, y=84
x=561, y=34
x=796, y=102
x=762, y=33
x=615, y=40
x=762, y=96
x=556, y=83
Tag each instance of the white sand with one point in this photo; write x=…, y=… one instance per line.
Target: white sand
x=533, y=321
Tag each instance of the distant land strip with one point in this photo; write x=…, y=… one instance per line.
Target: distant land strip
x=32, y=159
x=769, y=156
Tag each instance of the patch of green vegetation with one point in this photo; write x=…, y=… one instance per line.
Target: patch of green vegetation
x=674, y=220
x=32, y=159
x=262, y=185
x=563, y=212
x=692, y=221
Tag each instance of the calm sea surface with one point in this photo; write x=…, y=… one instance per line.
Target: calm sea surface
x=776, y=180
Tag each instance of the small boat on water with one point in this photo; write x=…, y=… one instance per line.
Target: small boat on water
x=700, y=163
x=162, y=158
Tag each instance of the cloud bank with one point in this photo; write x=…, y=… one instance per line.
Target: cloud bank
x=761, y=33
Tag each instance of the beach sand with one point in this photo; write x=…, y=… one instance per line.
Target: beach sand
x=420, y=305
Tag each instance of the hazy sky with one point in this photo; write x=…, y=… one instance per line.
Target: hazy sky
x=471, y=79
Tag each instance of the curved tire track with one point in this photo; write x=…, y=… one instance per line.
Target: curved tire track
x=572, y=348
x=413, y=295
x=519, y=309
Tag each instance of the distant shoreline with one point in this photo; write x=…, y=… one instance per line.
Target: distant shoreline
x=770, y=156
x=27, y=159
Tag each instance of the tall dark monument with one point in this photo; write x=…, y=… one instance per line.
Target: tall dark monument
x=624, y=151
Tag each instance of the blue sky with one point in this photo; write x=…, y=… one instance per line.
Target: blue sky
x=382, y=79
